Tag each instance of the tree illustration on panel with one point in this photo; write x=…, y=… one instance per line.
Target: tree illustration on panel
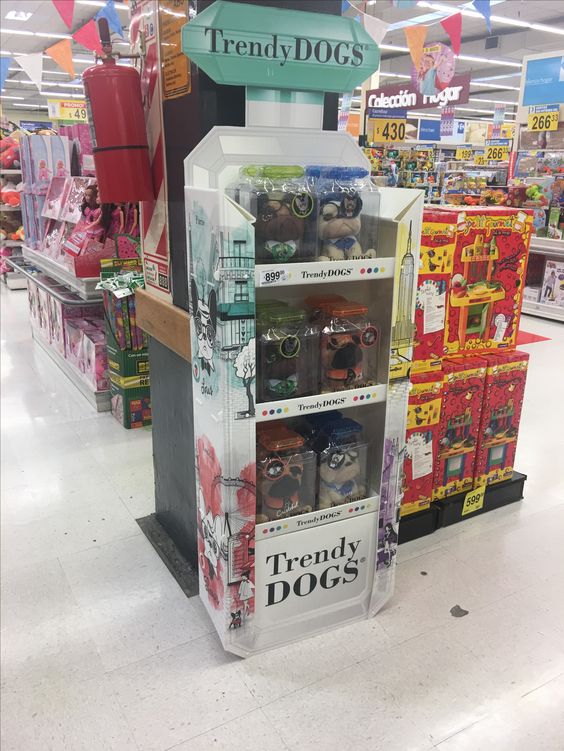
x=245, y=368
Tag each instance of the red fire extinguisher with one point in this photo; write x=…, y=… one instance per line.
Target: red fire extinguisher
x=119, y=137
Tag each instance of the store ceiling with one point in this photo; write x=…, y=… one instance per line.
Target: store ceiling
x=513, y=42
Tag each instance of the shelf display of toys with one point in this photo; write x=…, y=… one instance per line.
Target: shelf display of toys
x=504, y=391
x=552, y=288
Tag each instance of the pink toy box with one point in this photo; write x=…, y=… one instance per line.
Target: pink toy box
x=85, y=346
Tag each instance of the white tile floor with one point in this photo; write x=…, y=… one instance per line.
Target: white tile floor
x=102, y=651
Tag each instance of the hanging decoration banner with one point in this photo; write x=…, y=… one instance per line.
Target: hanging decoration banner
x=375, y=27
x=32, y=65
x=406, y=96
x=544, y=117
x=415, y=37
x=65, y=8
x=110, y=13
x=453, y=27
x=344, y=112
x=436, y=69
x=483, y=7
x=89, y=37
x=447, y=121
x=71, y=109
x=61, y=53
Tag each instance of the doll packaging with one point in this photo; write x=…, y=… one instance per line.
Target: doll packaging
x=504, y=391
x=459, y=427
x=422, y=441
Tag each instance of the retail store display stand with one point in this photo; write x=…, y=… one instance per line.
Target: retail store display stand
x=274, y=582
x=12, y=279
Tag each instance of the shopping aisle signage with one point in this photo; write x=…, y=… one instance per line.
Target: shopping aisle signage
x=543, y=117
x=408, y=97
x=72, y=109
x=474, y=500
x=544, y=81
x=388, y=130
x=497, y=150
x=257, y=46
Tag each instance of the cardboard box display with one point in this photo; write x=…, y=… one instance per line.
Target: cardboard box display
x=59, y=313
x=461, y=409
x=552, y=290
x=488, y=275
x=131, y=406
x=127, y=367
x=504, y=391
x=438, y=243
x=422, y=439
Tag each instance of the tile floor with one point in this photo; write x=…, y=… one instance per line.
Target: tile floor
x=102, y=651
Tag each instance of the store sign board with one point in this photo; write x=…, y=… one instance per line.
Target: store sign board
x=429, y=130
x=543, y=117
x=258, y=46
x=35, y=124
x=72, y=109
x=544, y=81
x=407, y=96
x=375, y=112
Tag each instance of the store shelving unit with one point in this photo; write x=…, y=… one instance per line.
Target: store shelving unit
x=12, y=279
x=551, y=249
x=10, y=172
x=84, y=287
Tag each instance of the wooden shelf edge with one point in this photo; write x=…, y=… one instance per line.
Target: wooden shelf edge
x=165, y=322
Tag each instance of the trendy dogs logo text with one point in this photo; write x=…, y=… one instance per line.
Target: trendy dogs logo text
x=298, y=50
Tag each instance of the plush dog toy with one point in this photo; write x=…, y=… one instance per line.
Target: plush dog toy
x=339, y=226
x=279, y=227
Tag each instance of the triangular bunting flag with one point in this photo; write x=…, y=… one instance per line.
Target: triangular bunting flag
x=61, y=53
x=415, y=37
x=375, y=27
x=32, y=65
x=453, y=27
x=89, y=37
x=4, y=65
x=483, y=7
x=65, y=8
x=110, y=13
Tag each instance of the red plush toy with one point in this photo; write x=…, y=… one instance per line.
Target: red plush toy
x=9, y=153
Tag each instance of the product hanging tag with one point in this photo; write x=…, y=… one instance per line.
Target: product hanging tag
x=421, y=458
x=434, y=313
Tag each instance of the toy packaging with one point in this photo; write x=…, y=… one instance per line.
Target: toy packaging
x=59, y=313
x=343, y=462
x=488, y=275
x=286, y=474
x=56, y=196
x=438, y=243
x=503, y=399
x=131, y=406
x=459, y=427
x=552, y=289
x=422, y=441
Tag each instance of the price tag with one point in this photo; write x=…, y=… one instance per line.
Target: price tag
x=389, y=130
x=480, y=160
x=474, y=500
x=270, y=277
x=464, y=154
x=537, y=121
x=497, y=153
x=62, y=109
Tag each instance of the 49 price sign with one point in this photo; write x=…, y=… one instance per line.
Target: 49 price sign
x=73, y=110
x=544, y=117
x=497, y=153
x=474, y=500
x=389, y=130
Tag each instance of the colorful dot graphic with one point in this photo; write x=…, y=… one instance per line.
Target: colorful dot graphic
x=371, y=270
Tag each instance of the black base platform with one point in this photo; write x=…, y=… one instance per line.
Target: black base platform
x=449, y=511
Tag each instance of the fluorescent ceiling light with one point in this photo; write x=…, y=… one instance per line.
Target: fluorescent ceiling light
x=31, y=106
x=101, y=4
x=18, y=15
x=19, y=31
x=480, y=85
x=492, y=101
x=496, y=78
x=52, y=36
x=394, y=75
x=49, y=83
x=5, y=96
x=58, y=94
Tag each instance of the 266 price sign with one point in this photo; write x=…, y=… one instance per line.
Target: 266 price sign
x=538, y=121
x=497, y=153
x=62, y=109
x=389, y=130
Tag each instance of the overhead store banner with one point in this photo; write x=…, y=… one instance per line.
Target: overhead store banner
x=406, y=96
x=544, y=81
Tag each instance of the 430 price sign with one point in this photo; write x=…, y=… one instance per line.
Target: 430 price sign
x=389, y=130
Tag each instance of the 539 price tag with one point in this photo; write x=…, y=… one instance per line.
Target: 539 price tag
x=474, y=500
x=271, y=277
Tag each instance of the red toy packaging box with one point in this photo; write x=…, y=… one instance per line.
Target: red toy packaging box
x=422, y=440
x=459, y=427
x=438, y=243
x=488, y=276
x=503, y=399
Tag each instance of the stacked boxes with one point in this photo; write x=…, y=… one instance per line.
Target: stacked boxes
x=129, y=383
x=422, y=439
x=503, y=400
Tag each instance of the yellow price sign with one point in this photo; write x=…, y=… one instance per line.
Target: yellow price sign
x=389, y=130
x=464, y=154
x=497, y=153
x=72, y=109
x=480, y=160
x=537, y=121
x=474, y=500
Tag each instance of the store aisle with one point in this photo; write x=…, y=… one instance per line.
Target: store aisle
x=101, y=650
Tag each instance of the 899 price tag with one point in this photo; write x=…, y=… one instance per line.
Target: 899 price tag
x=474, y=500
x=270, y=277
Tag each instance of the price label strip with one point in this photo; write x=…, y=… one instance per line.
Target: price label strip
x=474, y=500
x=389, y=130
x=271, y=277
x=464, y=154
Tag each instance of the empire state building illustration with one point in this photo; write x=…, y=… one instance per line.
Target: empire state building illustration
x=403, y=329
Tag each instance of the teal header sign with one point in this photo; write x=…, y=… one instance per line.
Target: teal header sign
x=252, y=45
